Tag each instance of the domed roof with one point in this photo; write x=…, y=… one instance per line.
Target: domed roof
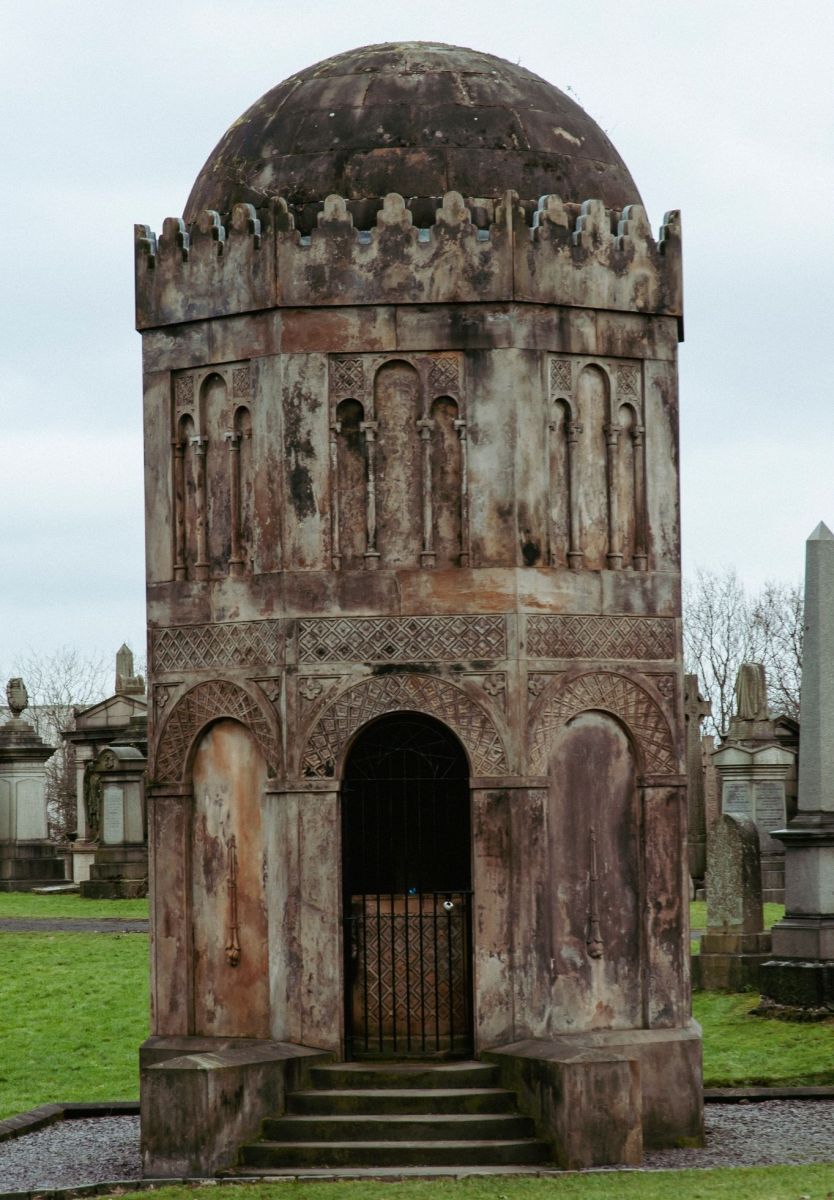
x=418, y=118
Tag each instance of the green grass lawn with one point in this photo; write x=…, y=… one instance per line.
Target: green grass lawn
x=740, y=1048
x=698, y=914
x=27, y=904
x=737, y=1183
x=73, y=1011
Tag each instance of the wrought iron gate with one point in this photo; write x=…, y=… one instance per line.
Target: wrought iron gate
x=406, y=872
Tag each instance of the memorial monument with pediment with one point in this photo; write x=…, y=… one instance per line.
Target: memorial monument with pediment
x=416, y=747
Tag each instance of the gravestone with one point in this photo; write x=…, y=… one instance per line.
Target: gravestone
x=695, y=708
x=119, y=870
x=802, y=971
x=735, y=944
x=754, y=769
x=27, y=858
x=120, y=720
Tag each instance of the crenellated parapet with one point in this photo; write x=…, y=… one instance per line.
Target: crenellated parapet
x=577, y=255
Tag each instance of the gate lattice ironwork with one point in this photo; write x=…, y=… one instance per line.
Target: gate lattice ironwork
x=407, y=898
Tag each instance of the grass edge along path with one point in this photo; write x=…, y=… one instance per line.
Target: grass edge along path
x=30, y=906
x=813, y=1182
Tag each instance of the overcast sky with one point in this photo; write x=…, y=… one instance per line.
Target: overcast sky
x=722, y=108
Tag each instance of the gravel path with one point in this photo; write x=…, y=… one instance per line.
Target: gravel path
x=72, y=925
x=107, y=1148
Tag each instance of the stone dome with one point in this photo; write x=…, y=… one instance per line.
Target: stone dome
x=418, y=118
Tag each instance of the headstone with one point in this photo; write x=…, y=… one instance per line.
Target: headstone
x=754, y=767
x=27, y=858
x=120, y=865
x=801, y=972
x=735, y=945
x=695, y=708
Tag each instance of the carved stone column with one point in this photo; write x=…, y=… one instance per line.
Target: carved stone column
x=460, y=426
x=201, y=562
x=179, y=510
x=369, y=428
x=575, y=554
x=641, y=558
x=427, y=556
x=335, y=551
x=236, y=561
x=615, y=554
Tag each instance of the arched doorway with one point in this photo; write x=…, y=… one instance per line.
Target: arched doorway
x=406, y=877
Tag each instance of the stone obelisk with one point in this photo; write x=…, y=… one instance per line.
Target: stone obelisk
x=802, y=970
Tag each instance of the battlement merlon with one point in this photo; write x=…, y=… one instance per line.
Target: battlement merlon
x=576, y=255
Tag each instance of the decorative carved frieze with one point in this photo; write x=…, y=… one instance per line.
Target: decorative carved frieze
x=628, y=381
x=444, y=375
x=240, y=383
x=373, y=697
x=400, y=639
x=561, y=376
x=554, y=636
x=233, y=644
x=183, y=391
x=207, y=702
x=348, y=377
x=609, y=692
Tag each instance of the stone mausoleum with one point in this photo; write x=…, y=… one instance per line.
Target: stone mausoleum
x=416, y=752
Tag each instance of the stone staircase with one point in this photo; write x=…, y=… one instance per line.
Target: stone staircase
x=395, y=1115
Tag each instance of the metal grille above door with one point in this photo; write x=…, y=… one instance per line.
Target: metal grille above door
x=406, y=873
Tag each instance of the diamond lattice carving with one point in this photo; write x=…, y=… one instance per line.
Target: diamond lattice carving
x=238, y=644
x=400, y=639
x=443, y=375
x=616, y=694
x=401, y=693
x=554, y=636
x=197, y=708
x=627, y=380
x=561, y=375
x=348, y=376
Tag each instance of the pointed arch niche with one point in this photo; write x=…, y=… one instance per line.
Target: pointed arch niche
x=241, y=491
x=445, y=486
x=399, y=491
x=350, y=500
x=185, y=498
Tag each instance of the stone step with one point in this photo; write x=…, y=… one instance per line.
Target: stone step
x=36, y=869
x=119, y=854
x=282, y=1155
x=402, y=1100
x=341, y=1076
x=400, y=1127
x=119, y=869
x=114, y=889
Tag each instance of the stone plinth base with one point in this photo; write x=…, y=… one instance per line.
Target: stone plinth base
x=808, y=938
x=201, y=1098
x=27, y=865
x=117, y=873
x=795, y=983
x=599, y=1098
x=731, y=962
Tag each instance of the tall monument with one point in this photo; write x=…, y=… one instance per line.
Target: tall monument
x=802, y=970
x=417, y=760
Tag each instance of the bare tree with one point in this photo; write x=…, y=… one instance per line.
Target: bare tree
x=58, y=683
x=724, y=626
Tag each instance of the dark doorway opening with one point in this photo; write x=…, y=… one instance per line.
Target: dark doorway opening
x=406, y=870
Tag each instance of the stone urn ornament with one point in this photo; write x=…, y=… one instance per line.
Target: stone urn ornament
x=17, y=697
